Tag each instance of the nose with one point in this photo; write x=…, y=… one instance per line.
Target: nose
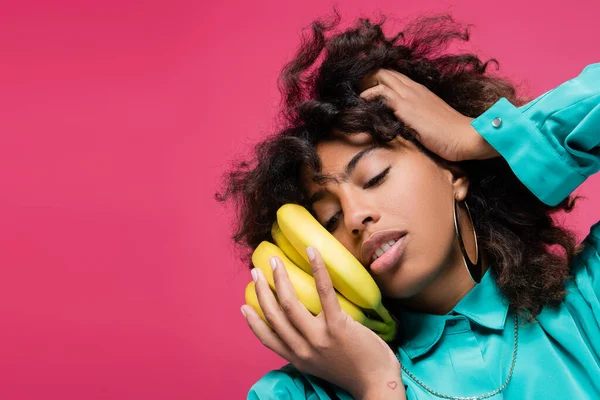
x=358, y=213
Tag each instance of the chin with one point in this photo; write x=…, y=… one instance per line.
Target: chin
x=403, y=284
x=398, y=288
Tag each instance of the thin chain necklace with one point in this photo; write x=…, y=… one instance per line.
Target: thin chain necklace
x=483, y=396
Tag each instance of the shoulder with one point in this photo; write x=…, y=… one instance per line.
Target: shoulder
x=586, y=265
x=589, y=256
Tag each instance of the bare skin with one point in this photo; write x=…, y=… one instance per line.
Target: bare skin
x=390, y=189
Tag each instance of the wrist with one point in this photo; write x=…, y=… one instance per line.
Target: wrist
x=479, y=148
x=384, y=387
x=377, y=393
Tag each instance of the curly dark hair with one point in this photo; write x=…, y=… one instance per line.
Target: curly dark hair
x=529, y=253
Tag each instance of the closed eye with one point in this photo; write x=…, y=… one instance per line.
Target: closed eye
x=377, y=179
x=331, y=223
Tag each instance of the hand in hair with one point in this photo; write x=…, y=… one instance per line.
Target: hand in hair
x=440, y=128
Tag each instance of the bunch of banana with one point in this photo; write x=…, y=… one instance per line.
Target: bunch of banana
x=357, y=292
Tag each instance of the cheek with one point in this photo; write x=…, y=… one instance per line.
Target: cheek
x=422, y=201
x=422, y=204
x=420, y=192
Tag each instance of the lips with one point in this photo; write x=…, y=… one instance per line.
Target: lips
x=375, y=241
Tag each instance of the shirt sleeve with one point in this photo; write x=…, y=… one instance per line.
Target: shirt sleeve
x=552, y=143
x=277, y=385
x=287, y=383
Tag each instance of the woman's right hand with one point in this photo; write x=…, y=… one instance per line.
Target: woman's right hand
x=441, y=128
x=331, y=345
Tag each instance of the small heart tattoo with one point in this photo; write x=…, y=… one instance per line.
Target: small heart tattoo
x=392, y=385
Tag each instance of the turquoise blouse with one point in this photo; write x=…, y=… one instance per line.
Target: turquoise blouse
x=552, y=144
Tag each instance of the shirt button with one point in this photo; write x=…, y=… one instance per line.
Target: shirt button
x=497, y=122
x=451, y=322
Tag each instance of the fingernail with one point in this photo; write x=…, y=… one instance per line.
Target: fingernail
x=273, y=263
x=254, y=274
x=243, y=312
x=311, y=253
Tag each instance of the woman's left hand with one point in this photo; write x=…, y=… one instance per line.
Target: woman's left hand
x=441, y=128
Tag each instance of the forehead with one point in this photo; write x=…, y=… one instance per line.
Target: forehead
x=336, y=153
x=338, y=157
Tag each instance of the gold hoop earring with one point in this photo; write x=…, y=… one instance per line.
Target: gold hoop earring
x=475, y=270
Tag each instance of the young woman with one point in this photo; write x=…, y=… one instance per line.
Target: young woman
x=398, y=139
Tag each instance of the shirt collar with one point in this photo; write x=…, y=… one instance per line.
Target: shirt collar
x=484, y=305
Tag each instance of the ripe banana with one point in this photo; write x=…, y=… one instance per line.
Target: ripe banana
x=289, y=250
x=252, y=300
x=348, y=275
x=305, y=286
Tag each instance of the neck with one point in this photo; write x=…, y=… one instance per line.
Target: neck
x=443, y=293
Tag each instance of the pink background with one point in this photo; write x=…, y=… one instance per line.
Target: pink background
x=117, y=279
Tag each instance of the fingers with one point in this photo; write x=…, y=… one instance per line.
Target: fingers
x=274, y=315
x=266, y=336
x=390, y=97
x=329, y=302
x=390, y=86
x=402, y=78
x=391, y=78
x=295, y=332
x=294, y=310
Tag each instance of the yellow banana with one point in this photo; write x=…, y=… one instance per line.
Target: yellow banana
x=306, y=290
x=289, y=250
x=348, y=275
x=252, y=300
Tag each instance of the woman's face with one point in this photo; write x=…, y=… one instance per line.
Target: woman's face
x=376, y=195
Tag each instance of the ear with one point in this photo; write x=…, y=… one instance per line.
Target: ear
x=459, y=181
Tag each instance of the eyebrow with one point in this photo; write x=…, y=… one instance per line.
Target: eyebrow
x=350, y=167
